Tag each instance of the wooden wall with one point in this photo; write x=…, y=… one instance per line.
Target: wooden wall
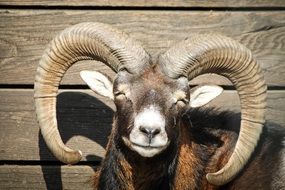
x=27, y=26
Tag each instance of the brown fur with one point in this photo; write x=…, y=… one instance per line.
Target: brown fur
x=185, y=176
x=202, y=148
x=139, y=176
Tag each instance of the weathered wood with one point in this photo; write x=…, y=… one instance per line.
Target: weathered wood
x=149, y=3
x=25, y=34
x=45, y=177
x=84, y=122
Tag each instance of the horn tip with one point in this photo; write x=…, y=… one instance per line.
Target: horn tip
x=74, y=158
x=214, y=179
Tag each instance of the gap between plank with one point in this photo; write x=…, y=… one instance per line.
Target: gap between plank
x=139, y=8
x=85, y=87
x=45, y=163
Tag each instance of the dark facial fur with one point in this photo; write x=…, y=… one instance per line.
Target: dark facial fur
x=201, y=141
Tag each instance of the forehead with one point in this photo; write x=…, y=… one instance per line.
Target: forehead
x=151, y=88
x=150, y=82
x=153, y=81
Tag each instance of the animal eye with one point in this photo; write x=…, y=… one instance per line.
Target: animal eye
x=180, y=98
x=181, y=102
x=120, y=95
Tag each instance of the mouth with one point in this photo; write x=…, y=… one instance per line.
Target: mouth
x=144, y=150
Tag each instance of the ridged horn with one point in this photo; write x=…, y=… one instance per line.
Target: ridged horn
x=214, y=53
x=85, y=41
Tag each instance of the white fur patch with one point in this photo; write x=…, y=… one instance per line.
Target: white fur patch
x=152, y=119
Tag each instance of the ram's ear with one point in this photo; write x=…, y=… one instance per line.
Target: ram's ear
x=201, y=95
x=98, y=82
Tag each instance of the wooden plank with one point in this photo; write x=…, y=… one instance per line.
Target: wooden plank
x=84, y=122
x=149, y=3
x=45, y=177
x=25, y=34
x=275, y=105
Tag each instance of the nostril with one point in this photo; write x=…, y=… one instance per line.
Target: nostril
x=155, y=132
x=150, y=132
x=144, y=130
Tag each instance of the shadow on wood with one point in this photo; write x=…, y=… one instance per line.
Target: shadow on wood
x=78, y=114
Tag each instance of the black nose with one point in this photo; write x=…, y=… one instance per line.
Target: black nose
x=150, y=132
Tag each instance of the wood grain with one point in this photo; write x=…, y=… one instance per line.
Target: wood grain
x=45, y=177
x=24, y=34
x=84, y=122
x=84, y=118
x=149, y=3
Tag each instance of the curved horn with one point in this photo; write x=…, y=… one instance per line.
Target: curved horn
x=202, y=54
x=84, y=41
